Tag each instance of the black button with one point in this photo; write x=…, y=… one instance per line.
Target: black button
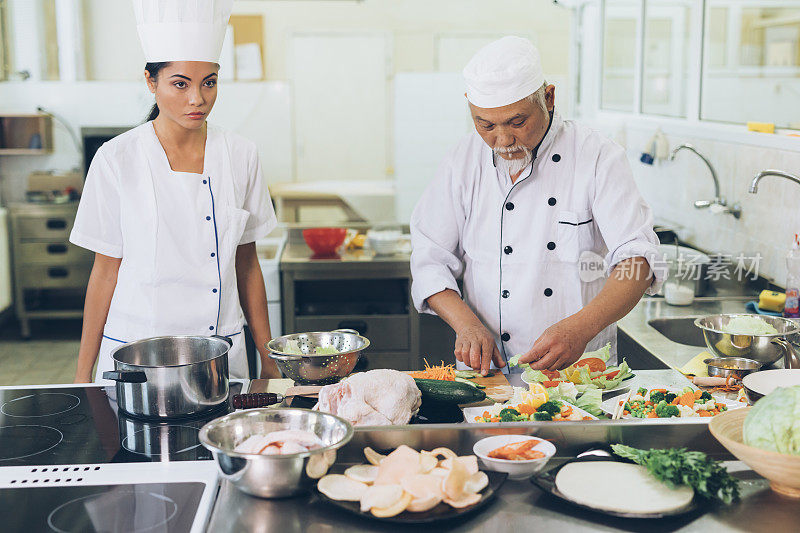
x=556, y=158
x=548, y=291
x=213, y=254
x=204, y=182
x=508, y=250
x=551, y=245
x=208, y=218
x=510, y=206
x=551, y=201
x=505, y=294
x=214, y=290
x=505, y=337
x=211, y=328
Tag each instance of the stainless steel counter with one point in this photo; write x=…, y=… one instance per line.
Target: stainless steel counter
x=519, y=506
x=672, y=354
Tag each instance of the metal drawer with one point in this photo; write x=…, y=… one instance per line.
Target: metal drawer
x=53, y=253
x=54, y=227
x=385, y=333
x=54, y=276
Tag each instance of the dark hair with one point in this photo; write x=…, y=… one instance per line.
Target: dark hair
x=153, y=69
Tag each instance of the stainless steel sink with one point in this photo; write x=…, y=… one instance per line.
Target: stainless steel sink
x=681, y=330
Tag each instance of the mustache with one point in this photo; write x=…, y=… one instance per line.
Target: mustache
x=511, y=149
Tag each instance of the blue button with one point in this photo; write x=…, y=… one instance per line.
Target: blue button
x=213, y=254
x=210, y=327
x=204, y=182
x=208, y=218
x=213, y=290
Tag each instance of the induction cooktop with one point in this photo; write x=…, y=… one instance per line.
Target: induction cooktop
x=81, y=425
x=153, y=497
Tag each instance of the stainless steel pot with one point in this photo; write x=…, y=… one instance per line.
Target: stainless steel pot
x=765, y=349
x=170, y=377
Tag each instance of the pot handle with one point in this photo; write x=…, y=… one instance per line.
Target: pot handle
x=226, y=339
x=126, y=376
x=790, y=355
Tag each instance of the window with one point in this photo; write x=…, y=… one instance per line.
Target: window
x=751, y=68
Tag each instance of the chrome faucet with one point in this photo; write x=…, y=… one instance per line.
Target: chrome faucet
x=719, y=200
x=771, y=172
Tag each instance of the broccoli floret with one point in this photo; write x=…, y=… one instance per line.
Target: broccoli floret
x=668, y=397
x=706, y=396
x=553, y=407
x=542, y=415
x=657, y=397
x=665, y=410
x=508, y=415
x=641, y=391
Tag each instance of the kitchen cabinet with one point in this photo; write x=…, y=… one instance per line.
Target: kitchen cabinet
x=26, y=134
x=370, y=294
x=50, y=273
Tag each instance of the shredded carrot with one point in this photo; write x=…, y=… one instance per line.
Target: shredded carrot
x=441, y=372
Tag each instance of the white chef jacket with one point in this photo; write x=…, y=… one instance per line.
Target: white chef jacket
x=518, y=245
x=177, y=234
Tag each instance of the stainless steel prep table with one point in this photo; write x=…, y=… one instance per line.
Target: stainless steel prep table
x=520, y=506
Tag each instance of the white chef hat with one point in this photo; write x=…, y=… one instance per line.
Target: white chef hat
x=503, y=72
x=182, y=30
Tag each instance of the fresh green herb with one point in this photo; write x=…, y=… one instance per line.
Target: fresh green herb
x=677, y=466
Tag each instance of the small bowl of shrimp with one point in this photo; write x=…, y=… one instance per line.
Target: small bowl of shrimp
x=520, y=456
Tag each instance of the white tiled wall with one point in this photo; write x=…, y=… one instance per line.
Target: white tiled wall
x=769, y=219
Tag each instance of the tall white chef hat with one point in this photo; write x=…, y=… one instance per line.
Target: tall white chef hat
x=182, y=30
x=503, y=72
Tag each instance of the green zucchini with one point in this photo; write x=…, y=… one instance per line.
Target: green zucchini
x=452, y=392
x=468, y=382
x=467, y=374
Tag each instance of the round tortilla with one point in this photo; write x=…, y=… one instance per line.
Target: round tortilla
x=620, y=487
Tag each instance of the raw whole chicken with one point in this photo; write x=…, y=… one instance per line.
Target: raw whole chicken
x=375, y=398
x=282, y=442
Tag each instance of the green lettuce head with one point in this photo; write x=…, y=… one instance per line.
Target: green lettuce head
x=774, y=422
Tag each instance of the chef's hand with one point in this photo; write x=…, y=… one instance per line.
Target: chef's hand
x=82, y=378
x=475, y=347
x=559, y=346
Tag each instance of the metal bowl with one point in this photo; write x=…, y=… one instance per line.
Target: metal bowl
x=735, y=367
x=273, y=476
x=312, y=369
x=765, y=349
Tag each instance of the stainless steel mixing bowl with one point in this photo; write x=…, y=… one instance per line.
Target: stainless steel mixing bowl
x=273, y=476
x=310, y=368
x=765, y=349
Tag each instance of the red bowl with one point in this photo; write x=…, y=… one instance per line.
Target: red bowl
x=324, y=241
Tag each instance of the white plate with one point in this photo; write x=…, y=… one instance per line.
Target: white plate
x=471, y=412
x=609, y=405
x=766, y=381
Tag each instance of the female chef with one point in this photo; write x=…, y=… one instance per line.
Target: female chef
x=173, y=207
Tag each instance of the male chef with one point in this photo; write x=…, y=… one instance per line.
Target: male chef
x=541, y=217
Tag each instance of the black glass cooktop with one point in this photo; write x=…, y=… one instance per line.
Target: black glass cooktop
x=153, y=507
x=81, y=425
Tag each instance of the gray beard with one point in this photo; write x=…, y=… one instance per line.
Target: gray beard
x=513, y=166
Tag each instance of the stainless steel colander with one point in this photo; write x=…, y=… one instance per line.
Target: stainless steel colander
x=309, y=368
